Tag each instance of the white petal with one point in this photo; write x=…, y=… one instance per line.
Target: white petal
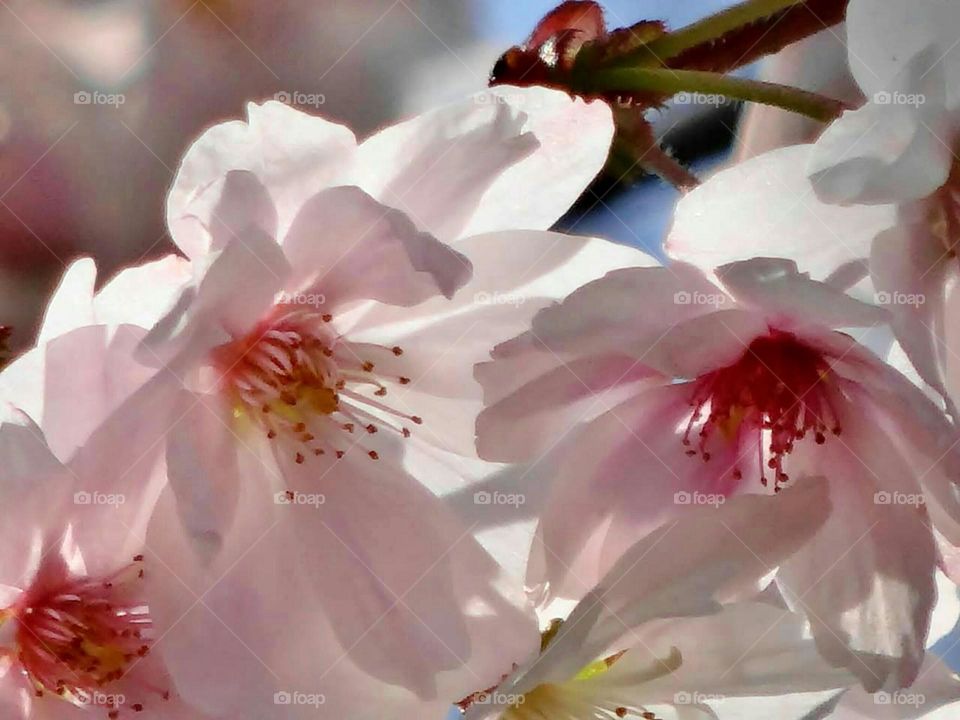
x=508, y=158
x=766, y=207
x=890, y=150
x=293, y=154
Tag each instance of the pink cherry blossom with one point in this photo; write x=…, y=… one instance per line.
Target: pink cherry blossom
x=76, y=630
x=661, y=389
x=326, y=340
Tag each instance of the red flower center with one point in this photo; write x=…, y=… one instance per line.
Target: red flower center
x=294, y=377
x=780, y=387
x=77, y=638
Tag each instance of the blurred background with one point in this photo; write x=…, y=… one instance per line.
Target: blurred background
x=99, y=99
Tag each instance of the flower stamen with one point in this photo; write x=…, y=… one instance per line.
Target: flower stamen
x=295, y=379
x=780, y=388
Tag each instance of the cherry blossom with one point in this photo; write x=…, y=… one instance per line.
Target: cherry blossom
x=656, y=389
x=341, y=295
x=76, y=629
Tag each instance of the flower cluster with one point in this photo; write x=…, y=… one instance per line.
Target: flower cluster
x=376, y=442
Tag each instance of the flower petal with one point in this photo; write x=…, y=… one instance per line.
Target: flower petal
x=766, y=207
x=933, y=696
x=71, y=305
x=405, y=574
x=626, y=304
x=236, y=286
x=909, y=270
x=506, y=158
x=599, y=503
x=347, y=246
x=774, y=287
x=201, y=456
x=293, y=154
x=531, y=420
x=866, y=579
x=682, y=569
x=881, y=44
x=141, y=294
x=890, y=150
x=747, y=649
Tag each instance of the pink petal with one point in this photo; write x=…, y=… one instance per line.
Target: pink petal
x=909, y=268
x=241, y=200
x=931, y=696
x=347, y=246
x=139, y=295
x=215, y=655
x=694, y=347
x=508, y=158
x=683, y=568
x=612, y=481
x=85, y=378
x=443, y=339
x=122, y=459
x=866, y=579
x=371, y=586
x=293, y=154
x=543, y=266
x=214, y=309
x=774, y=287
x=35, y=484
x=202, y=456
x=624, y=305
x=405, y=570
x=531, y=420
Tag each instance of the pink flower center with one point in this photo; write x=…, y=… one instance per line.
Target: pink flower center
x=78, y=637
x=780, y=388
x=294, y=378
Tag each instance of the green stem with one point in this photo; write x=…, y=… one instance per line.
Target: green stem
x=715, y=26
x=670, y=82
